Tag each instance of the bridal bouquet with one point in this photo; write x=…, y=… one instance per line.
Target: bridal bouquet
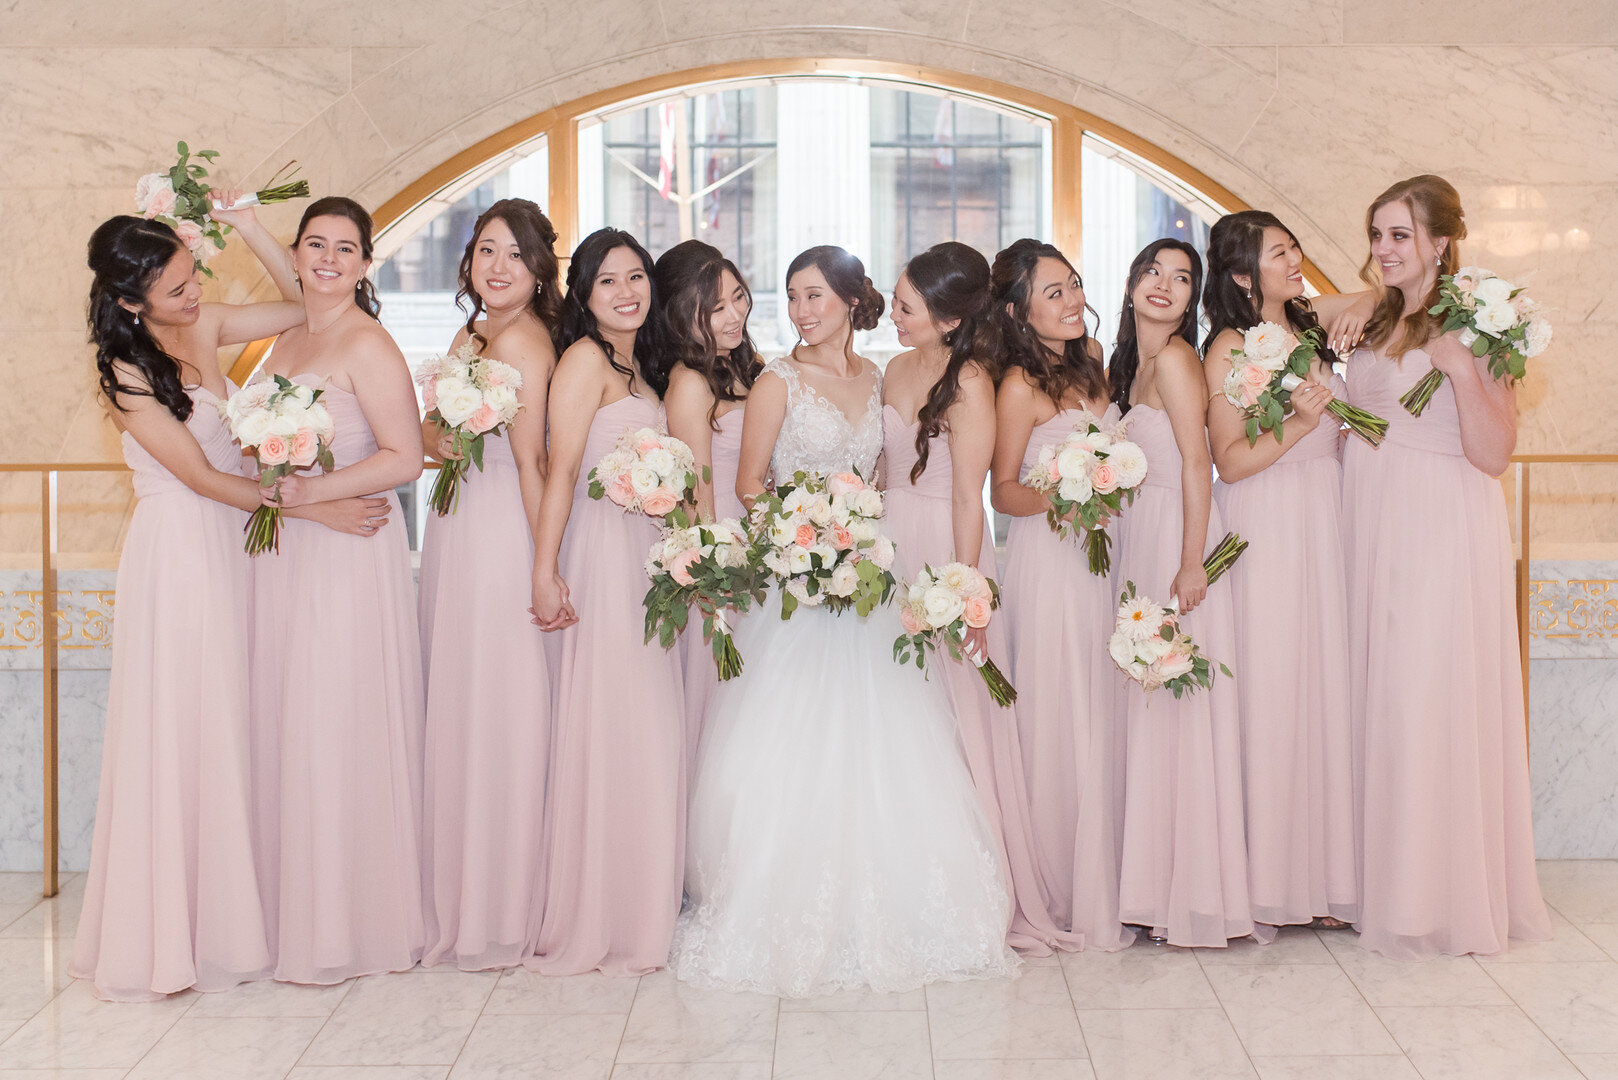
x=467, y=396
x=1272, y=363
x=1148, y=644
x=646, y=473
x=818, y=535
x=1089, y=476
x=179, y=198
x=1496, y=319
x=939, y=607
x=286, y=428
x=707, y=566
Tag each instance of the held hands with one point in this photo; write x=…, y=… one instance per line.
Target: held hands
x=236, y=219
x=552, y=610
x=1309, y=402
x=288, y=492
x=1345, y=331
x=358, y=517
x=1190, y=586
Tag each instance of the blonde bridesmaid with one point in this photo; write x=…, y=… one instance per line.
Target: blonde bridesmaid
x=488, y=686
x=1447, y=859
x=615, y=801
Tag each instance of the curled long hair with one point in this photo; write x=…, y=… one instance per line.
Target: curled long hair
x=846, y=276
x=1011, y=292
x=536, y=237
x=1235, y=246
x=578, y=321
x=1126, y=351
x=1435, y=205
x=953, y=280
x=127, y=255
x=688, y=276
x=344, y=207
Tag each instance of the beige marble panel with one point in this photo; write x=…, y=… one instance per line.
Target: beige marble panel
x=46, y=375
x=151, y=22
x=398, y=23
x=1481, y=21
x=43, y=232
x=366, y=60
x=938, y=19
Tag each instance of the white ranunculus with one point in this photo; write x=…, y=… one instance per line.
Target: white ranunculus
x=641, y=479
x=844, y=580
x=1495, y=318
x=254, y=427
x=1075, y=488
x=943, y=606
x=827, y=553
x=1536, y=337
x=798, y=559
x=659, y=461
x=1130, y=461
x=1492, y=290
x=459, y=404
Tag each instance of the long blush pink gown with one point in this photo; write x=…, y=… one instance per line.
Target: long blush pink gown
x=1184, y=869
x=488, y=724
x=696, y=653
x=337, y=717
x=1291, y=666
x=172, y=899
x=1447, y=864
x=918, y=519
x=615, y=803
x=1057, y=617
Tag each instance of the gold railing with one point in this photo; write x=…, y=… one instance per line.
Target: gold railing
x=49, y=559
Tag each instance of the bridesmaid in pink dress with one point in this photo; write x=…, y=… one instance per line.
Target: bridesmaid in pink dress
x=488, y=685
x=1053, y=610
x=1184, y=869
x=704, y=305
x=172, y=899
x=1447, y=865
x=336, y=674
x=1291, y=603
x=615, y=802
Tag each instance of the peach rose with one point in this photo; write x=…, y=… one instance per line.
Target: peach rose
x=485, y=418
x=977, y=612
x=844, y=483
x=160, y=200
x=1255, y=376
x=429, y=395
x=1104, y=479
x=273, y=450
x=805, y=535
x=647, y=445
x=620, y=490
x=841, y=538
x=305, y=445
x=680, y=568
x=660, y=502
x=908, y=620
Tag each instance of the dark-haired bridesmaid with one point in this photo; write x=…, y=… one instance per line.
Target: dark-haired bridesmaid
x=488, y=685
x=1054, y=609
x=615, y=799
x=337, y=694
x=1184, y=869
x=172, y=899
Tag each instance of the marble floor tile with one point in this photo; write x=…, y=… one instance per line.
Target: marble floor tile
x=520, y=991
x=1012, y=1070
x=270, y=999
x=57, y=917
x=63, y=1074
x=10, y=913
x=249, y=1049
x=853, y=1046
x=674, y=1022
x=412, y=1018
x=31, y=973
x=1027, y=1017
x=1377, y=1067
x=861, y=1001
x=1593, y=1066
x=1292, y=945
x=702, y=1070
x=369, y=1072
x=1298, y=1010
x=1604, y=936
x=1575, y=1004
x=579, y=1047
x=22, y=887
x=1141, y=977
x=1456, y=1043
x=1164, y=1044
x=77, y=1031
x=1585, y=890
x=1570, y=944
x=1443, y=980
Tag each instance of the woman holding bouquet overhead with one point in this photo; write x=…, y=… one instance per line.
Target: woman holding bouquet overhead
x=1184, y=868
x=488, y=685
x=337, y=695
x=1447, y=864
x=615, y=797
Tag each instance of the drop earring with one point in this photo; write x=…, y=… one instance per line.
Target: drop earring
x=137, y=318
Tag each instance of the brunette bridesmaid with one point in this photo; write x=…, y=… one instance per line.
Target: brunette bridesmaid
x=488, y=687
x=1055, y=611
x=337, y=694
x=615, y=802
x=1447, y=864
x=704, y=304
x=1184, y=869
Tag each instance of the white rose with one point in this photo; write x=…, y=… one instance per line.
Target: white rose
x=1122, y=650
x=303, y=395
x=1073, y=461
x=1537, y=336
x=844, y=580
x=1495, y=318
x=250, y=399
x=320, y=420
x=1075, y=488
x=1130, y=461
x=641, y=478
x=868, y=503
x=285, y=426
x=457, y=406
x=882, y=552
x=916, y=594
x=1174, y=665
x=659, y=461
x=254, y=427
x=943, y=606
x=504, y=400
x=863, y=531
x=1492, y=290
x=1097, y=440
x=820, y=512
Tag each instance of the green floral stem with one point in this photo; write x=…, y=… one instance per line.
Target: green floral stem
x=1224, y=556
x=1417, y=397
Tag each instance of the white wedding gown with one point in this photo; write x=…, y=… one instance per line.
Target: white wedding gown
x=835, y=840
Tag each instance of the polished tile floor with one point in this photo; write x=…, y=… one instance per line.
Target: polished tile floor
x=1312, y=1006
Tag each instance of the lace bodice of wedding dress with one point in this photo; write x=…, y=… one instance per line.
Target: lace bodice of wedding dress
x=816, y=436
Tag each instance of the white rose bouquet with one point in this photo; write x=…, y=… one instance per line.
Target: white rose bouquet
x=819, y=537
x=1151, y=649
x=468, y=397
x=939, y=607
x=1272, y=363
x=646, y=473
x=286, y=428
x=1496, y=319
x=707, y=566
x=179, y=199
x=1089, y=477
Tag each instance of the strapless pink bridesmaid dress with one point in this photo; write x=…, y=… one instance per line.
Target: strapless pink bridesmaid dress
x=1448, y=845
x=172, y=899
x=696, y=654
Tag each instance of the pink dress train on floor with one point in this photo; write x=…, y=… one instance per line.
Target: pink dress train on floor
x=918, y=519
x=1447, y=863
x=338, y=717
x=172, y=899
x=488, y=724
x=696, y=653
x=615, y=804
x=1184, y=868
x=1057, y=617
x=1291, y=665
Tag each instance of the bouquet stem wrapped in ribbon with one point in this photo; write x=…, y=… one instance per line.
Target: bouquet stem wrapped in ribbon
x=939, y=607
x=1496, y=319
x=1148, y=644
x=468, y=396
x=818, y=535
x=1272, y=363
x=1089, y=476
x=286, y=427
x=179, y=199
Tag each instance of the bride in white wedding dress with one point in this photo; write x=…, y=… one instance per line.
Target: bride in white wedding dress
x=834, y=840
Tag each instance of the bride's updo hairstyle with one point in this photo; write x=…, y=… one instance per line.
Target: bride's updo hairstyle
x=344, y=207
x=1435, y=207
x=846, y=276
x=688, y=276
x=1011, y=286
x=127, y=255
x=536, y=239
x=953, y=280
